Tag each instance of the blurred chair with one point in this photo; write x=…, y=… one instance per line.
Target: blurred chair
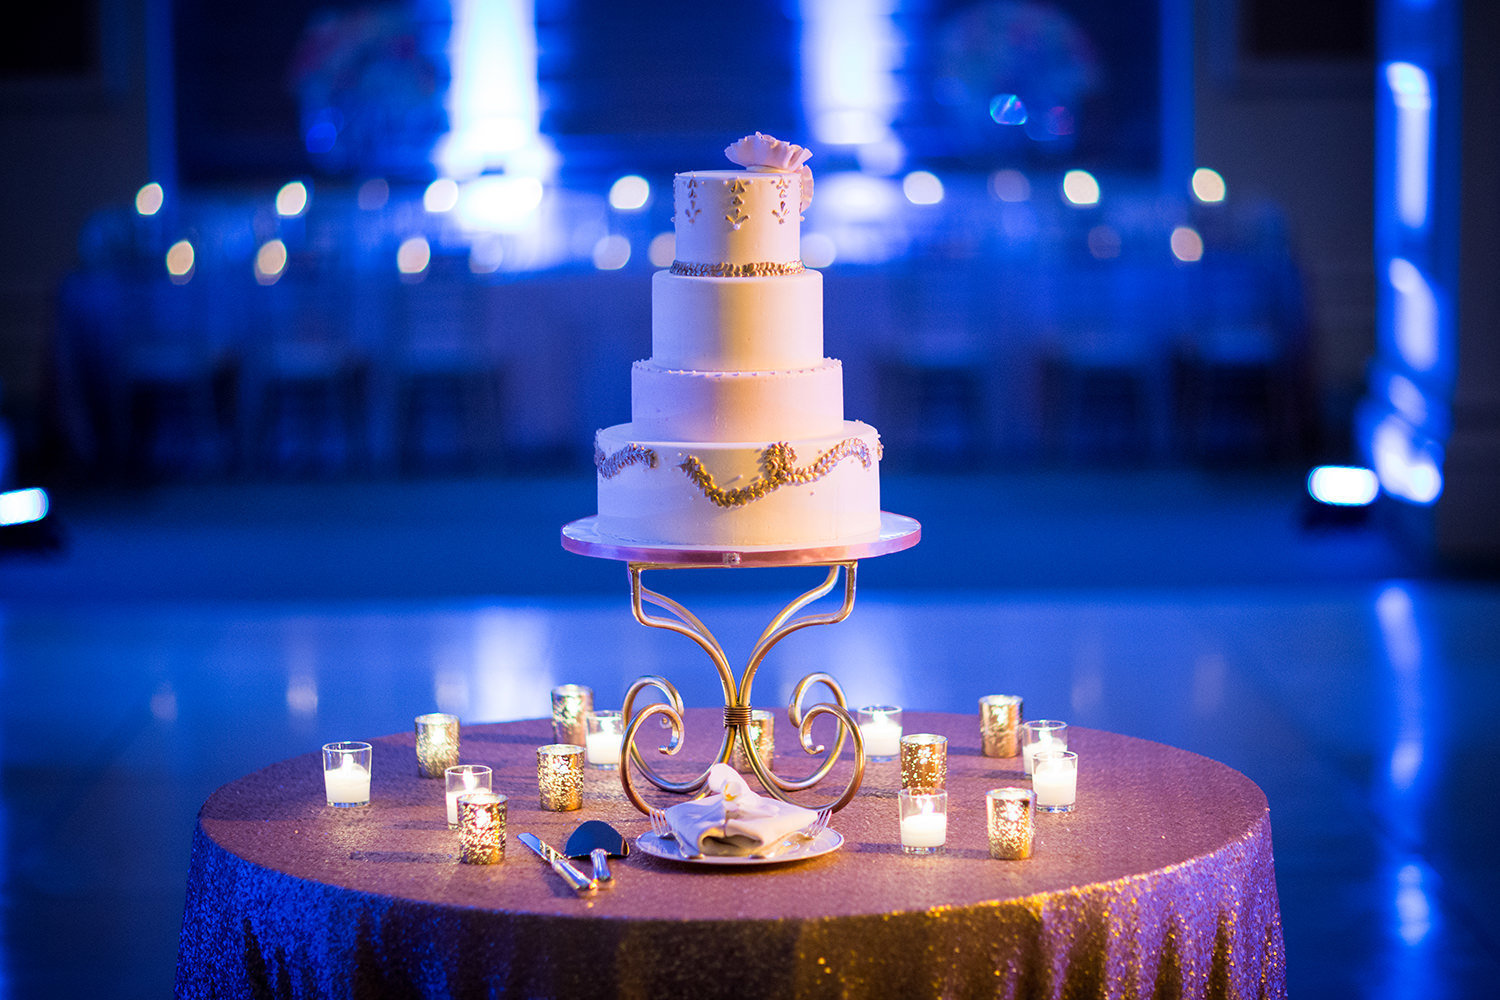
x=171, y=377
x=305, y=389
x=445, y=372
x=1238, y=369
x=931, y=372
x=1106, y=366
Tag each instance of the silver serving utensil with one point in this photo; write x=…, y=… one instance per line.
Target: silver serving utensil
x=808, y=833
x=576, y=879
x=598, y=841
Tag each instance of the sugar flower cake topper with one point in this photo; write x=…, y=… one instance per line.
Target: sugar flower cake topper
x=769, y=154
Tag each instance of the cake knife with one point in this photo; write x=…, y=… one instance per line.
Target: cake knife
x=579, y=882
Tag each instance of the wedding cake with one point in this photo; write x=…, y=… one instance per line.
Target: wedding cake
x=737, y=434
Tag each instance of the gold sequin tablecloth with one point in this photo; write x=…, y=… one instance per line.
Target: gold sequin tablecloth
x=1161, y=884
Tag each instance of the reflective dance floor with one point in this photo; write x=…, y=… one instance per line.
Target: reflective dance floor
x=183, y=637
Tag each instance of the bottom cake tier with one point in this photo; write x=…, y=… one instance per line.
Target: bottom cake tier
x=802, y=492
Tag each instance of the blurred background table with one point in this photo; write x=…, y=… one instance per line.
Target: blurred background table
x=1162, y=881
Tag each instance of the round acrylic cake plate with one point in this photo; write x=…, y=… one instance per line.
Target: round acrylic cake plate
x=897, y=532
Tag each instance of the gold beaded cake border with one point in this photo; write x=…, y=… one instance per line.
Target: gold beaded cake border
x=755, y=269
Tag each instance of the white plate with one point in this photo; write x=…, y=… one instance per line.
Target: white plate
x=824, y=843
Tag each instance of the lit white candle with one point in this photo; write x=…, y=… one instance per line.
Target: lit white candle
x=603, y=749
x=347, y=784
x=470, y=783
x=1056, y=782
x=1043, y=743
x=882, y=738
x=924, y=830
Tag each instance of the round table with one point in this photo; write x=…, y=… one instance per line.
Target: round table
x=1162, y=883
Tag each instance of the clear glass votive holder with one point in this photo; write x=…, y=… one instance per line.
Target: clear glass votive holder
x=462, y=779
x=1010, y=821
x=570, y=704
x=1055, y=780
x=559, y=776
x=924, y=821
x=346, y=773
x=924, y=762
x=481, y=827
x=605, y=734
x=762, y=732
x=1042, y=734
x=1000, y=725
x=437, y=743
x=880, y=725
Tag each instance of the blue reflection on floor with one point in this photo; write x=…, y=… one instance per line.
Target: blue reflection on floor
x=1362, y=703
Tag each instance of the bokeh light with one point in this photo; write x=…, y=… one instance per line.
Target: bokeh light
x=1007, y=109
x=1187, y=245
x=662, y=249
x=1104, y=242
x=629, y=193
x=612, y=252
x=818, y=250
x=1343, y=485
x=1080, y=187
x=180, y=262
x=1010, y=186
x=291, y=200
x=149, y=199
x=270, y=262
x=373, y=194
x=413, y=256
x=922, y=188
x=1209, y=186
x=441, y=196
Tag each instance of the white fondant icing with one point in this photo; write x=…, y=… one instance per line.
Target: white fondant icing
x=737, y=217
x=661, y=504
x=752, y=406
x=737, y=324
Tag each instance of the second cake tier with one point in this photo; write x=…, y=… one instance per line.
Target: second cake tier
x=673, y=405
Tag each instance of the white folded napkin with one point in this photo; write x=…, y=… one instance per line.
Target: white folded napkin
x=733, y=820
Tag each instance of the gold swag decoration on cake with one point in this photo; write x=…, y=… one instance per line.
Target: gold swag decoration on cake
x=778, y=470
x=610, y=466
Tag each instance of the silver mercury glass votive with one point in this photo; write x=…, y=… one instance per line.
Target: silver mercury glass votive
x=437, y=743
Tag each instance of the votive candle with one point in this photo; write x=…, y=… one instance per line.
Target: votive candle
x=1009, y=818
x=1055, y=779
x=559, y=776
x=606, y=731
x=924, y=762
x=437, y=743
x=570, y=704
x=462, y=779
x=999, y=725
x=1043, y=734
x=481, y=827
x=924, y=821
x=880, y=725
x=346, y=773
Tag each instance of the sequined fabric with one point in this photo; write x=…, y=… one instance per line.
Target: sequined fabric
x=1162, y=884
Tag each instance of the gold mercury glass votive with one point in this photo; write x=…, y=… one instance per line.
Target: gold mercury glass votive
x=559, y=776
x=570, y=704
x=762, y=731
x=1000, y=725
x=924, y=762
x=437, y=743
x=1010, y=813
x=481, y=827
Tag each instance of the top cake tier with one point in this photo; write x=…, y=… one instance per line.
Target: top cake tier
x=737, y=223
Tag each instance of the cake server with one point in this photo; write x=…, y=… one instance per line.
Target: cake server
x=576, y=879
x=598, y=841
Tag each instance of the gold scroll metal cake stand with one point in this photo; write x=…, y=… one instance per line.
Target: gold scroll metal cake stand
x=896, y=532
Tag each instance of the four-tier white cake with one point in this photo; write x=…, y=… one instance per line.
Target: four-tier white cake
x=737, y=434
